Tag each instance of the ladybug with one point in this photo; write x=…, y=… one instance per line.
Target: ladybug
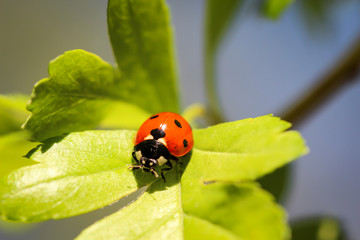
x=162, y=137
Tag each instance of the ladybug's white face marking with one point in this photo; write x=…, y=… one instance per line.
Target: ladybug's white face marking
x=162, y=140
x=149, y=137
x=161, y=160
x=138, y=155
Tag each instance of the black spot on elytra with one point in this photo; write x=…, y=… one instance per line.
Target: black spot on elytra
x=157, y=133
x=155, y=116
x=185, y=142
x=178, y=123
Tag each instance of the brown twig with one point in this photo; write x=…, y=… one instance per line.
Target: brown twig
x=344, y=72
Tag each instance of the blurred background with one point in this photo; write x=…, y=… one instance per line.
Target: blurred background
x=262, y=67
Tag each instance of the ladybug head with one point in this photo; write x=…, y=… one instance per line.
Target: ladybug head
x=148, y=163
x=151, y=153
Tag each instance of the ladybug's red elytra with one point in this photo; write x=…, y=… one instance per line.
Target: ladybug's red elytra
x=162, y=137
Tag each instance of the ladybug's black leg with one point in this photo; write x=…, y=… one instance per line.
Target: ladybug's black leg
x=166, y=169
x=175, y=159
x=137, y=161
x=134, y=157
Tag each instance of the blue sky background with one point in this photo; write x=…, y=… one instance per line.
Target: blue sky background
x=262, y=67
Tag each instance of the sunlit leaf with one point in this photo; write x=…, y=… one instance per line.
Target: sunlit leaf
x=79, y=173
x=87, y=170
x=157, y=214
x=81, y=92
x=254, y=146
x=242, y=209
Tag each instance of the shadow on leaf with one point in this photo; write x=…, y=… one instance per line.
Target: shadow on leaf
x=172, y=177
x=46, y=145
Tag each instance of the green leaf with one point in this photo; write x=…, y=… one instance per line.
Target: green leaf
x=227, y=212
x=81, y=91
x=318, y=228
x=157, y=214
x=13, y=147
x=141, y=37
x=197, y=228
x=12, y=112
x=274, y=8
x=79, y=173
x=124, y=115
x=218, y=18
x=277, y=183
x=239, y=151
x=254, y=146
x=244, y=210
x=88, y=170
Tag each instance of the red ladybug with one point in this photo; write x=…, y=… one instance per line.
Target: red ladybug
x=162, y=137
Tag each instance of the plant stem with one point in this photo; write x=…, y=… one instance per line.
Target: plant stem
x=340, y=75
x=219, y=15
x=215, y=112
